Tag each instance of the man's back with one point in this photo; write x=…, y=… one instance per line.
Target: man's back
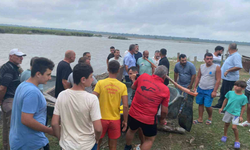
x=164, y=61
x=150, y=93
x=77, y=109
x=217, y=60
x=62, y=72
x=110, y=92
x=28, y=99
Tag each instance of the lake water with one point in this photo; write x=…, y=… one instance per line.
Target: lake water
x=54, y=47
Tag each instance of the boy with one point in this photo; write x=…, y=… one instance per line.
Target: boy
x=234, y=107
x=110, y=92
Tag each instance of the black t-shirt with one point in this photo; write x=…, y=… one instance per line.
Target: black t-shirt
x=62, y=72
x=10, y=78
x=164, y=61
x=137, y=56
x=110, y=56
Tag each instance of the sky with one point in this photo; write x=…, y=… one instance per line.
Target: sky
x=205, y=19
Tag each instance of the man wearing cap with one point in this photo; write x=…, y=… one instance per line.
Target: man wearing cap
x=9, y=80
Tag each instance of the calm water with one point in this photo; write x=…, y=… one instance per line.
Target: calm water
x=54, y=47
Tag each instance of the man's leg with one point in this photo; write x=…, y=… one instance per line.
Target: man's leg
x=222, y=95
x=6, y=110
x=148, y=143
x=114, y=132
x=112, y=144
x=248, y=113
x=141, y=136
x=201, y=110
x=209, y=112
x=105, y=124
x=227, y=87
x=99, y=144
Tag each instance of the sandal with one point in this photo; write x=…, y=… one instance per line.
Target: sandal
x=196, y=122
x=237, y=145
x=208, y=122
x=224, y=139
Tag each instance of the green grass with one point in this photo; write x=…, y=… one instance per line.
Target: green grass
x=202, y=136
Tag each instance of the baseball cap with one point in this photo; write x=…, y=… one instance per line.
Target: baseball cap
x=16, y=51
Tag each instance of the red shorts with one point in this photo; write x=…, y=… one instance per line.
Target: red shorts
x=113, y=127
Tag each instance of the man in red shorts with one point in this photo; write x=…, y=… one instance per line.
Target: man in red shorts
x=151, y=92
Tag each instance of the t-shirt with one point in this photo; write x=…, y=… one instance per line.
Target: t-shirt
x=129, y=60
x=10, y=78
x=28, y=99
x=185, y=73
x=137, y=56
x=233, y=60
x=235, y=103
x=77, y=110
x=111, y=55
x=110, y=92
x=120, y=60
x=164, y=61
x=248, y=83
x=150, y=93
x=88, y=89
x=156, y=62
x=217, y=60
x=144, y=66
x=26, y=75
x=62, y=72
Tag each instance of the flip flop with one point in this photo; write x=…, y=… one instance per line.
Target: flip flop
x=237, y=145
x=208, y=122
x=224, y=139
x=196, y=122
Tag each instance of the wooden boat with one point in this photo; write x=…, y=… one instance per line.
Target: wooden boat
x=246, y=63
x=185, y=117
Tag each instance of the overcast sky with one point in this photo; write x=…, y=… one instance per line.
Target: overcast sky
x=211, y=19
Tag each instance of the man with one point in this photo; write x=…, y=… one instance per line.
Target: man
x=110, y=92
x=137, y=53
x=83, y=60
x=208, y=78
x=229, y=73
x=111, y=55
x=129, y=61
x=27, y=73
x=27, y=130
x=144, y=66
x=156, y=57
x=150, y=94
x=79, y=112
x=87, y=54
x=164, y=61
x=217, y=55
x=9, y=80
x=117, y=57
x=186, y=72
x=62, y=72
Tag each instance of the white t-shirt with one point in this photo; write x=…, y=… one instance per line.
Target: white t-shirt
x=120, y=60
x=217, y=60
x=88, y=89
x=77, y=109
x=248, y=83
x=125, y=53
x=156, y=62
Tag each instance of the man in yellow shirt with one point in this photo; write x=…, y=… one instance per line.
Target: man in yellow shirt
x=110, y=92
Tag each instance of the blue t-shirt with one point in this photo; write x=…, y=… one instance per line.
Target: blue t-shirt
x=129, y=60
x=26, y=75
x=233, y=60
x=185, y=73
x=28, y=99
x=144, y=66
x=235, y=103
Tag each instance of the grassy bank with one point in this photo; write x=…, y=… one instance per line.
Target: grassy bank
x=28, y=30
x=118, y=37
x=202, y=136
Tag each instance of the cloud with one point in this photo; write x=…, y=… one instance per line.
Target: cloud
x=220, y=20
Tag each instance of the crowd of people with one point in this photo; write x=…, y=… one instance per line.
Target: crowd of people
x=87, y=109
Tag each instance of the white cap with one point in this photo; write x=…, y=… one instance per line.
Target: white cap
x=15, y=51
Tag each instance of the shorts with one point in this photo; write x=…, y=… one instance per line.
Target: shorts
x=113, y=127
x=229, y=117
x=247, y=93
x=148, y=130
x=204, y=97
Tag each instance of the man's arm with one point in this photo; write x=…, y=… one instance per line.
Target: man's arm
x=192, y=81
x=55, y=123
x=3, y=90
x=164, y=112
x=198, y=77
x=231, y=70
x=217, y=84
x=176, y=76
x=98, y=129
x=95, y=93
x=125, y=112
x=29, y=121
x=66, y=84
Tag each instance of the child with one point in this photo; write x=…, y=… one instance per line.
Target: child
x=234, y=107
